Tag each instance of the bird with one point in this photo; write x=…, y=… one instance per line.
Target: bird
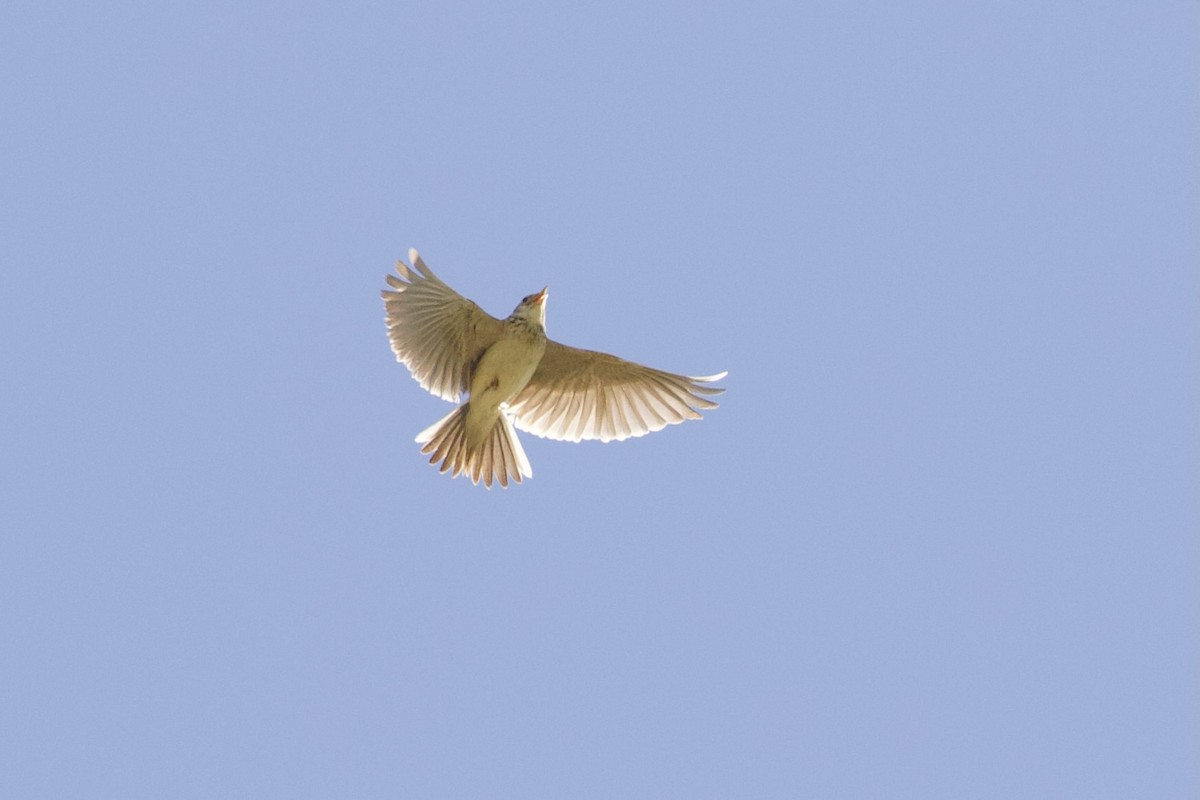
x=513, y=375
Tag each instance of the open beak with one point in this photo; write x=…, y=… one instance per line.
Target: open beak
x=540, y=297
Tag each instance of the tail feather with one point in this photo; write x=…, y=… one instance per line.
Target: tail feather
x=497, y=458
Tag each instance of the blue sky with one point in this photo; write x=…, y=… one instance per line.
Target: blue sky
x=940, y=539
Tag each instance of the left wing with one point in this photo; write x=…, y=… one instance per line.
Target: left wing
x=581, y=394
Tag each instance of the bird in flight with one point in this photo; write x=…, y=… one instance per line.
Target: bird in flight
x=514, y=375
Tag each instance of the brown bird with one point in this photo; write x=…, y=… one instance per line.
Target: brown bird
x=515, y=375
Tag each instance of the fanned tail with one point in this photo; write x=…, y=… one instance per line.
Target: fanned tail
x=499, y=457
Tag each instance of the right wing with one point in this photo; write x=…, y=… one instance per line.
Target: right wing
x=435, y=331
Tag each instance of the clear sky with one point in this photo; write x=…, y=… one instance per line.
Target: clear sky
x=939, y=541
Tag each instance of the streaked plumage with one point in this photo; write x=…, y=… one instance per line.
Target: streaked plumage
x=510, y=369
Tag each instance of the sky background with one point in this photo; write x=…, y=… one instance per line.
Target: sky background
x=941, y=540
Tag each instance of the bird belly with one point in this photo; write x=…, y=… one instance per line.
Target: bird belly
x=502, y=373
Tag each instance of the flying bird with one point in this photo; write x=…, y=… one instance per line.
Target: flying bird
x=514, y=375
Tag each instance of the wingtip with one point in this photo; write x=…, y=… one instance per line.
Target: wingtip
x=420, y=267
x=710, y=378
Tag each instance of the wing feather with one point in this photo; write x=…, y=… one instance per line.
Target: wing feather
x=582, y=394
x=436, y=332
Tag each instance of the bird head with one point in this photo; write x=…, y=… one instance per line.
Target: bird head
x=533, y=308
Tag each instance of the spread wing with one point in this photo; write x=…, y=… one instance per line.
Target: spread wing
x=581, y=394
x=435, y=331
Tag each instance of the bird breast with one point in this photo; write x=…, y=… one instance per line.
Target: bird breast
x=506, y=367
